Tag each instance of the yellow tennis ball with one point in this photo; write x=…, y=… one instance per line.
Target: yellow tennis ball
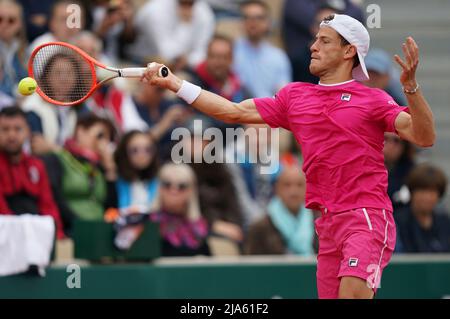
x=27, y=86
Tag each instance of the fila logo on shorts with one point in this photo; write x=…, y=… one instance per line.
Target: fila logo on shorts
x=353, y=262
x=346, y=97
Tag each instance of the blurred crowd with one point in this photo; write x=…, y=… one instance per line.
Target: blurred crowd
x=109, y=158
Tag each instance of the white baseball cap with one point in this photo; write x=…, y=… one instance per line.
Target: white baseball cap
x=356, y=34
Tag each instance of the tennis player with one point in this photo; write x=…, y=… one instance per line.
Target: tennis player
x=340, y=125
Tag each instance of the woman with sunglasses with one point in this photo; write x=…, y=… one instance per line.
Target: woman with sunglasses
x=183, y=230
x=12, y=46
x=137, y=166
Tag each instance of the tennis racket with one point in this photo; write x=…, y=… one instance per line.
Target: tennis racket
x=66, y=75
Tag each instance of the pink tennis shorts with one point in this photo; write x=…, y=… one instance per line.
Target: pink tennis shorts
x=355, y=243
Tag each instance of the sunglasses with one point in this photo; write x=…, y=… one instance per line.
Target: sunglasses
x=9, y=20
x=144, y=150
x=178, y=186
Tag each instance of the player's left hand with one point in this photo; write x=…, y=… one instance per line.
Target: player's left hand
x=40, y=146
x=409, y=67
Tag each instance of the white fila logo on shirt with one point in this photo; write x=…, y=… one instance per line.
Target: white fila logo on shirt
x=392, y=102
x=346, y=97
x=353, y=262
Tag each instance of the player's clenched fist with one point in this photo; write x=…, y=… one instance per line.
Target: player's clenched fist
x=159, y=75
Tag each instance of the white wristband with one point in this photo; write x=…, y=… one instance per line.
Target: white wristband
x=189, y=92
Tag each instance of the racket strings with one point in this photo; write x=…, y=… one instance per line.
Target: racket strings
x=62, y=74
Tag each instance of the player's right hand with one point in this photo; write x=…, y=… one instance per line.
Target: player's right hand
x=171, y=82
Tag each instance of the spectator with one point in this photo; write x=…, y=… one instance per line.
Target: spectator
x=83, y=173
x=24, y=184
x=59, y=30
x=136, y=162
x=297, y=32
x=421, y=226
x=384, y=75
x=399, y=160
x=12, y=46
x=216, y=75
x=219, y=201
x=151, y=110
x=183, y=229
x=36, y=16
x=254, y=189
x=255, y=57
x=52, y=125
x=113, y=23
x=176, y=30
x=5, y=99
x=288, y=227
x=91, y=44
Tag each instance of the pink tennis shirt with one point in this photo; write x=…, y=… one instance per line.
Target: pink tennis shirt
x=341, y=132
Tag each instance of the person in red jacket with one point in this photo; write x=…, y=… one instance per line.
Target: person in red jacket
x=24, y=184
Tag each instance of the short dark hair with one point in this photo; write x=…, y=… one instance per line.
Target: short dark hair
x=260, y=3
x=344, y=42
x=87, y=121
x=427, y=177
x=13, y=111
x=221, y=37
x=124, y=168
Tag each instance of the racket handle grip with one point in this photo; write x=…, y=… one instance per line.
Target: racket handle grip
x=138, y=72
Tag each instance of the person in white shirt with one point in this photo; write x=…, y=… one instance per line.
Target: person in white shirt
x=59, y=29
x=178, y=31
x=262, y=67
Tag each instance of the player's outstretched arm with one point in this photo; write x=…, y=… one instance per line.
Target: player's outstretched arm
x=205, y=101
x=418, y=126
